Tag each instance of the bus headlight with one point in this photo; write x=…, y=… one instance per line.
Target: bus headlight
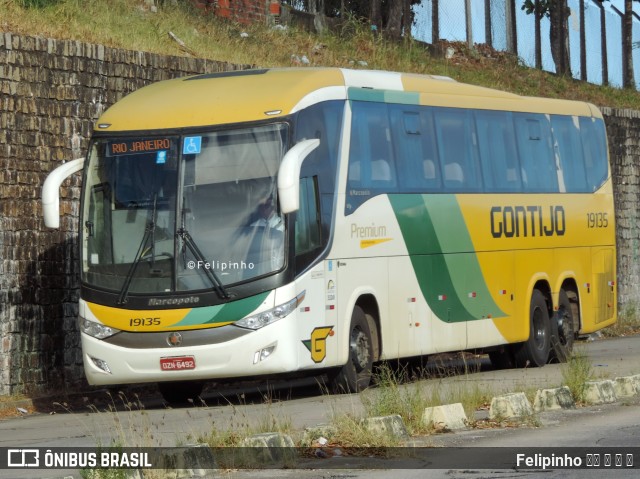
x=270, y=316
x=96, y=330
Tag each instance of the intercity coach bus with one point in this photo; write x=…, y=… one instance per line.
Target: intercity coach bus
x=316, y=221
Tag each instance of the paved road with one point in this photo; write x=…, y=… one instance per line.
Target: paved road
x=301, y=407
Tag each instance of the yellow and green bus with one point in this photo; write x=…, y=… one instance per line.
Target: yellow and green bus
x=316, y=221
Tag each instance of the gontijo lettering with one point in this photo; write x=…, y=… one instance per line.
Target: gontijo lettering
x=523, y=221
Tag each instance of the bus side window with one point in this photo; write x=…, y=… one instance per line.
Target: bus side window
x=535, y=149
x=322, y=121
x=458, y=148
x=371, y=161
x=594, y=145
x=569, y=149
x=308, y=232
x=498, y=154
x=414, y=147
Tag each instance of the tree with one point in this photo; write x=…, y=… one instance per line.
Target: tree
x=316, y=6
x=627, y=46
x=394, y=24
x=392, y=17
x=558, y=13
x=375, y=13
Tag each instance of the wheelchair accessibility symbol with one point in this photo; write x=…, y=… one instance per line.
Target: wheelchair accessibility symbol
x=192, y=145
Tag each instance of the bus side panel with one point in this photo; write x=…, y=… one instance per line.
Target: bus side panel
x=356, y=277
x=498, y=269
x=408, y=330
x=602, y=289
x=317, y=328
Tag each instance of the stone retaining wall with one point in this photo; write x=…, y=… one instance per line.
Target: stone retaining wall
x=51, y=92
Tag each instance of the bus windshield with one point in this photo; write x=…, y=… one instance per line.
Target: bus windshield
x=169, y=213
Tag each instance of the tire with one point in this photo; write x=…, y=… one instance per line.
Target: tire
x=562, y=330
x=355, y=376
x=535, y=350
x=181, y=393
x=502, y=358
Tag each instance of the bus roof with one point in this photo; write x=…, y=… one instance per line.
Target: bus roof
x=253, y=95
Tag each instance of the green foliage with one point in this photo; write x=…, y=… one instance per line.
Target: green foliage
x=394, y=397
x=130, y=24
x=576, y=372
x=333, y=8
x=351, y=431
x=628, y=321
x=37, y=3
x=542, y=9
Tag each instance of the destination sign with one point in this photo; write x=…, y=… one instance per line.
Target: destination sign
x=136, y=146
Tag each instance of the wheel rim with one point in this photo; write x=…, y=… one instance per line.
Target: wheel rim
x=360, y=349
x=539, y=329
x=563, y=328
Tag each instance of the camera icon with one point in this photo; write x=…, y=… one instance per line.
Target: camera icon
x=23, y=458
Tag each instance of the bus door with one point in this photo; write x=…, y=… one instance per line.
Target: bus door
x=317, y=327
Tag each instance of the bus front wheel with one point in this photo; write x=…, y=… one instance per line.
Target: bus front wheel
x=355, y=376
x=535, y=350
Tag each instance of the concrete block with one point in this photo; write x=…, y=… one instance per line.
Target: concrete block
x=625, y=387
x=450, y=416
x=386, y=425
x=267, y=449
x=508, y=406
x=313, y=433
x=636, y=381
x=599, y=392
x=186, y=462
x=553, y=399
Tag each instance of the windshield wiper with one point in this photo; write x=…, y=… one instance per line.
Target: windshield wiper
x=149, y=232
x=195, y=251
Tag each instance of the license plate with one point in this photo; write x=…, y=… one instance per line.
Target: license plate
x=177, y=363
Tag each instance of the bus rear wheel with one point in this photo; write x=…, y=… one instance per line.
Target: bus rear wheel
x=355, y=376
x=535, y=350
x=562, y=329
x=181, y=393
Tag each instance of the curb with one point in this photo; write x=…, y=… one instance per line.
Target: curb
x=508, y=406
x=599, y=392
x=387, y=425
x=553, y=399
x=449, y=416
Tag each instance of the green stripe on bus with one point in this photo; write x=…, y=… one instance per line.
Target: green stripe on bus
x=443, y=257
x=223, y=313
x=383, y=96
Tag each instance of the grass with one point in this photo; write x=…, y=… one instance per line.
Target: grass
x=628, y=322
x=127, y=423
x=394, y=394
x=576, y=372
x=129, y=24
x=241, y=427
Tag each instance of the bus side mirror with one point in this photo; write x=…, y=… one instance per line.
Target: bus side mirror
x=51, y=191
x=289, y=175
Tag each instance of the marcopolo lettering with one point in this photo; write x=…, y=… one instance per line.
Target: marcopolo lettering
x=524, y=221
